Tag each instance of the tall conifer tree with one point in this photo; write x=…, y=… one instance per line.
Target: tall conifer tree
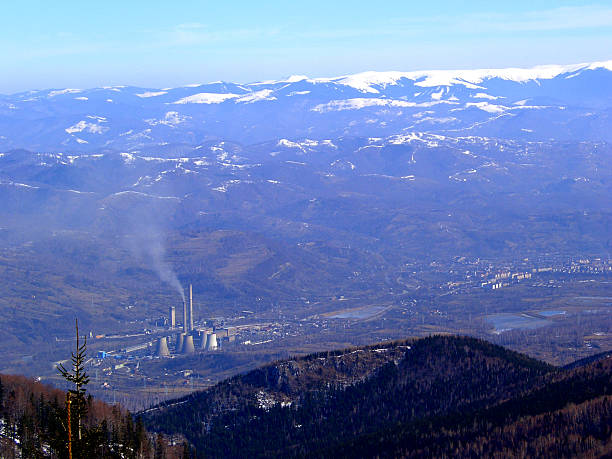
x=79, y=378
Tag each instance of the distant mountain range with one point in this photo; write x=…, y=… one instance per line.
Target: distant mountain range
x=433, y=397
x=323, y=190
x=570, y=102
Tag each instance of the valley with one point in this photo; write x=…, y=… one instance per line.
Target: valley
x=304, y=244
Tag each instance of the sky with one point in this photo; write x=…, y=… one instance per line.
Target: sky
x=157, y=44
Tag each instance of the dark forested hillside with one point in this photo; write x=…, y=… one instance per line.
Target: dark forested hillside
x=568, y=416
x=438, y=396
x=33, y=425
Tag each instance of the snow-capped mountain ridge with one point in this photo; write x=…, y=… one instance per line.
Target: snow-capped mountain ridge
x=431, y=78
x=550, y=101
x=364, y=80
x=469, y=78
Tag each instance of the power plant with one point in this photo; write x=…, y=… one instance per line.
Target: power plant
x=185, y=340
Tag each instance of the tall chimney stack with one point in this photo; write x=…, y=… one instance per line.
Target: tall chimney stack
x=185, y=325
x=172, y=314
x=190, y=308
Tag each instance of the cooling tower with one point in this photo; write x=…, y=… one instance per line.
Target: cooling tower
x=188, y=345
x=180, y=337
x=211, y=342
x=190, y=308
x=162, y=347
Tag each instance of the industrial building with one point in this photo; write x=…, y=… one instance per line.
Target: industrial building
x=185, y=341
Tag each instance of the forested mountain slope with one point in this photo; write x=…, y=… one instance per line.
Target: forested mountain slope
x=438, y=396
x=33, y=419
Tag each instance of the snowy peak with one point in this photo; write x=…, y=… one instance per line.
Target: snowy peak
x=372, y=81
x=565, y=102
x=366, y=82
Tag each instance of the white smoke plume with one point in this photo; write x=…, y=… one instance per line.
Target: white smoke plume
x=148, y=245
x=164, y=270
x=143, y=230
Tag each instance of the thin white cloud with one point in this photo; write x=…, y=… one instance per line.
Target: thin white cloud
x=195, y=34
x=564, y=18
x=561, y=18
x=466, y=25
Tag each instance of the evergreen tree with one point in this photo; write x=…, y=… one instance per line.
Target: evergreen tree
x=78, y=377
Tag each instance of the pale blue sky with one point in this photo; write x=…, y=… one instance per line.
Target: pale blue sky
x=57, y=44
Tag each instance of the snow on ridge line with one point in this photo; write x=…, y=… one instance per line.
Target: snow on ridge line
x=369, y=81
x=305, y=143
x=298, y=93
x=359, y=103
x=206, y=98
x=217, y=98
x=147, y=94
x=264, y=94
x=470, y=78
x=59, y=92
x=139, y=193
x=487, y=107
x=17, y=184
x=291, y=79
x=482, y=95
